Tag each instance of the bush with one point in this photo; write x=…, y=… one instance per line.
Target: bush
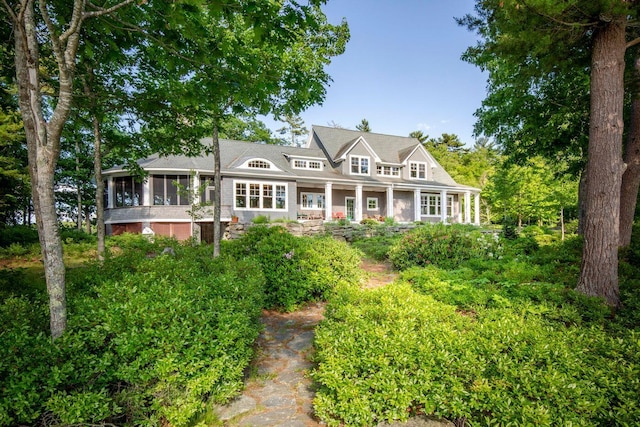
x=443, y=245
x=384, y=355
x=147, y=343
x=20, y=234
x=376, y=247
x=297, y=269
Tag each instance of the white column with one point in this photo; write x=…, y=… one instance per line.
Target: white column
x=328, y=201
x=477, y=209
x=146, y=192
x=416, y=204
x=110, y=193
x=443, y=206
x=358, y=206
x=467, y=207
x=390, y=202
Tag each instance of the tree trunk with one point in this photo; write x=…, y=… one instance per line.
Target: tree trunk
x=43, y=147
x=582, y=196
x=97, y=163
x=599, y=269
x=78, y=187
x=631, y=176
x=216, y=190
x=562, y=222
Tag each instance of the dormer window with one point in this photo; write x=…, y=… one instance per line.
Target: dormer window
x=307, y=164
x=388, y=170
x=259, y=164
x=418, y=170
x=262, y=164
x=359, y=165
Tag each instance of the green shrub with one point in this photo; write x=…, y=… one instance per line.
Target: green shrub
x=147, y=344
x=376, y=247
x=370, y=222
x=443, y=245
x=386, y=354
x=20, y=234
x=260, y=219
x=73, y=235
x=297, y=269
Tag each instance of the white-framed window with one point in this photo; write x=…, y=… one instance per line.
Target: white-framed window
x=260, y=196
x=312, y=200
x=430, y=205
x=387, y=170
x=359, y=165
x=418, y=170
x=258, y=164
x=372, y=203
x=307, y=164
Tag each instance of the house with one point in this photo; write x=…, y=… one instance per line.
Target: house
x=339, y=174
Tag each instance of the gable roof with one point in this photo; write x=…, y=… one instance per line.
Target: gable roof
x=336, y=142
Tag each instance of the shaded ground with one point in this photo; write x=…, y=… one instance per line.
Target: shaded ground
x=278, y=392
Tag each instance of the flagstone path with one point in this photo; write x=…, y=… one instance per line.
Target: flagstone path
x=278, y=392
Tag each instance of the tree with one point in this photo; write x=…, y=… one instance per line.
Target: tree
x=248, y=129
x=363, y=126
x=419, y=135
x=294, y=127
x=234, y=59
x=533, y=49
x=54, y=28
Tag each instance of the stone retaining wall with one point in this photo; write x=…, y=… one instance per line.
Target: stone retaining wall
x=314, y=227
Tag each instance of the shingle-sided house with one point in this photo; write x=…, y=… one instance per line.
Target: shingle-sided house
x=338, y=174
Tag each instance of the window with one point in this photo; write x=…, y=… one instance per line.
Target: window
x=128, y=192
x=165, y=191
x=359, y=165
x=418, y=170
x=430, y=205
x=259, y=164
x=387, y=170
x=260, y=196
x=372, y=203
x=312, y=201
x=206, y=189
x=307, y=164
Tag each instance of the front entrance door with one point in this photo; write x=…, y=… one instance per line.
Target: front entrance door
x=350, y=203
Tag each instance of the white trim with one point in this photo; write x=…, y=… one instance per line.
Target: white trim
x=366, y=145
x=272, y=166
x=418, y=164
x=391, y=168
x=315, y=197
x=360, y=158
x=420, y=147
x=260, y=195
x=373, y=199
x=307, y=164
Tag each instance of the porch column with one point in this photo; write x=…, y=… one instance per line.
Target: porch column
x=146, y=192
x=443, y=206
x=467, y=207
x=328, y=201
x=358, y=206
x=416, y=204
x=390, y=202
x=476, y=200
x=110, y=193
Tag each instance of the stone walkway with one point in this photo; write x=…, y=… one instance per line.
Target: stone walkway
x=278, y=391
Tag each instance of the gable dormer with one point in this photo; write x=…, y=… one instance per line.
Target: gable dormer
x=357, y=157
x=418, y=163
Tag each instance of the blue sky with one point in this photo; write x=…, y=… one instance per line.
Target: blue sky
x=402, y=69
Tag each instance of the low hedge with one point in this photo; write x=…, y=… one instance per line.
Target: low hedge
x=386, y=354
x=150, y=339
x=297, y=269
x=443, y=245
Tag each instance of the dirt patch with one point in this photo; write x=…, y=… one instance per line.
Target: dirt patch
x=378, y=273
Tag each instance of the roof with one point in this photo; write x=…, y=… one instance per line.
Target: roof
x=326, y=143
x=387, y=147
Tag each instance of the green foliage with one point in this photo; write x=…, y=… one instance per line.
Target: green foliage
x=443, y=245
x=502, y=358
x=260, y=219
x=20, y=234
x=297, y=269
x=376, y=247
x=150, y=339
